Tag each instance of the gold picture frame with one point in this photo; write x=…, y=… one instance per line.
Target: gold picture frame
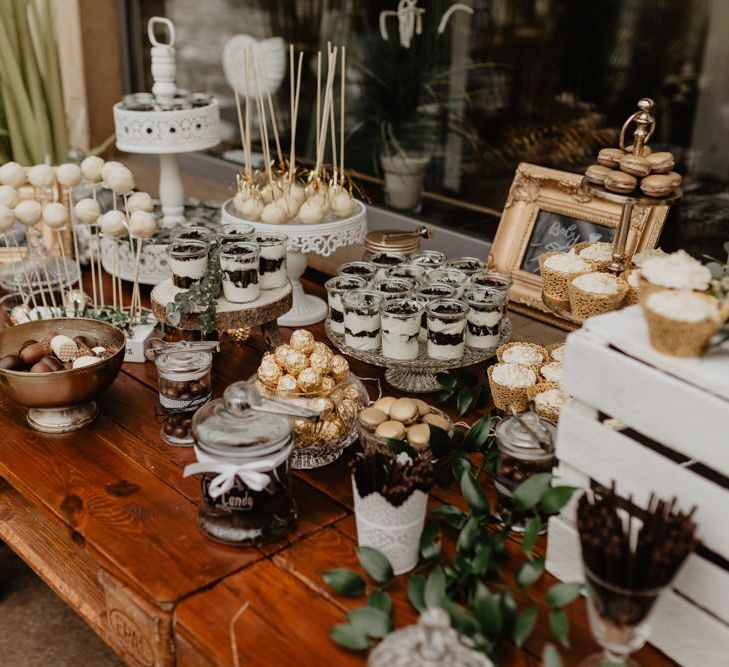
x=549, y=203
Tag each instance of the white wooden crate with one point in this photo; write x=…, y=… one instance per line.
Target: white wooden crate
x=675, y=443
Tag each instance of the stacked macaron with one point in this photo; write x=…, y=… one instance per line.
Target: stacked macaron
x=624, y=172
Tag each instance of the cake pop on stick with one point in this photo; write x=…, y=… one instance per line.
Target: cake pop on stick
x=92, y=168
x=29, y=213
x=88, y=212
x=9, y=196
x=140, y=201
x=262, y=124
x=274, y=123
x=41, y=177
x=113, y=225
x=142, y=225
x=69, y=176
x=7, y=226
x=55, y=215
x=11, y=173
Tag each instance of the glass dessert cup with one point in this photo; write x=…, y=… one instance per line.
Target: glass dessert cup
x=428, y=259
x=619, y=620
x=188, y=261
x=384, y=261
x=469, y=265
x=272, y=265
x=453, y=277
x=446, y=329
x=401, y=328
x=239, y=263
x=336, y=288
x=491, y=280
x=364, y=270
x=432, y=292
x=362, y=322
x=235, y=232
x=195, y=233
x=412, y=272
x=394, y=288
x=486, y=313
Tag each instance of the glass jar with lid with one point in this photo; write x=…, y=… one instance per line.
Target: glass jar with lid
x=185, y=384
x=242, y=444
x=526, y=448
x=390, y=241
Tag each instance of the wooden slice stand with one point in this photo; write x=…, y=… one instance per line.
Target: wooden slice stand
x=262, y=312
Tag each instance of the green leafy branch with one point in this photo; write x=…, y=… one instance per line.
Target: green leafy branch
x=470, y=391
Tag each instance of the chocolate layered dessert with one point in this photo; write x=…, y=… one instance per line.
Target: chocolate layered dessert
x=446, y=329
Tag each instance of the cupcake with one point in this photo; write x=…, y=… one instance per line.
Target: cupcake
x=596, y=293
x=675, y=271
x=530, y=355
x=556, y=351
x=599, y=254
x=509, y=384
x=557, y=269
x=681, y=322
x=641, y=257
x=632, y=277
x=548, y=399
x=552, y=372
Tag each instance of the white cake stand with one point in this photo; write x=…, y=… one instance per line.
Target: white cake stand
x=322, y=239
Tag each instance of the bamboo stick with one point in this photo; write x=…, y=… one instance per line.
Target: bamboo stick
x=343, y=86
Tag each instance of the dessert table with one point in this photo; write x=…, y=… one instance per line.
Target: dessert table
x=105, y=518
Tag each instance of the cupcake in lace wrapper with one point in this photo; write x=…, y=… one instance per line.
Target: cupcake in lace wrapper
x=522, y=353
x=599, y=254
x=596, y=293
x=509, y=384
x=557, y=269
x=548, y=399
x=677, y=271
x=632, y=278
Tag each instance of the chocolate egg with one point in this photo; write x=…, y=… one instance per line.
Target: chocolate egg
x=30, y=341
x=34, y=353
x=41, y=367
x=371, y=418
x=53, y=362
x=418, y=435
x=12, y=362
x=436, y=420
x=384, y=404
x=392, y=430
x=404, y=410
x=86, y=341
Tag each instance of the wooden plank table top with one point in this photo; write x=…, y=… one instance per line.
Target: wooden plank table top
x=105, y=517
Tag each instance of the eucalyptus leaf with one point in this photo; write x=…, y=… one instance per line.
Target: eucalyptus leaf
x=435, y=587
x=446, y=380
x=482, y=560
x=556, y=498
x=350, y=637
x=551, y=656
x=371, y=621
x=430, y=544
x=531, y=533
x=440, y=443
x=344, y=581
x=524, y=625
x=560, y=626
x=530, y=572
x=461, y=620
x=444, y=395
x=530, y=492
x=464, y=400
x=560, y=595
x=381, y=600
x=473, y=494
x=416, y=592
x=449, y=514
x=508, y=611
x=468, y=535
x=478, y=434
x=375, y=564
x=400, y=446
x=487, y=607
x=459, y=465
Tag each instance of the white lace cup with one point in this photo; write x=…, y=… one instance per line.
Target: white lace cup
x=395, y=531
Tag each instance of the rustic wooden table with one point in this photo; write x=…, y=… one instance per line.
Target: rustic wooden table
x=104, y=516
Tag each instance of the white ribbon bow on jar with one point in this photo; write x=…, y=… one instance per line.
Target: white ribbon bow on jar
x=252, y=473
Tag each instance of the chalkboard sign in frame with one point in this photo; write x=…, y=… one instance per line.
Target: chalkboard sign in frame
x=546, y=210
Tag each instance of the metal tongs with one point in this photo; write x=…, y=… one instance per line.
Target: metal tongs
x=544, y=440
x=159, y=346
x=422, y=231
x=243, y=395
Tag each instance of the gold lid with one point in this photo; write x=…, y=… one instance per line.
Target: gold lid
x=396, y=240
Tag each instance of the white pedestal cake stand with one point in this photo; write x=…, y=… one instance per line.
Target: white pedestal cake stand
x=322, y=239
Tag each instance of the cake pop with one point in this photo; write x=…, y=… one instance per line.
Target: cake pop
x=107, y=168
x=140, y=201
x=11, y=173
x=312, y=210
x=113, y=224
x=7, y=219
x=41, y=176
x=273, y=214
x=342, y=202
x=69, y=175
x=55, y=215
x=91, y=168
x=120, y=180
x=28, y=212
x=88, y=211
x=8, y=196
x=142, y=224
x=252, y=208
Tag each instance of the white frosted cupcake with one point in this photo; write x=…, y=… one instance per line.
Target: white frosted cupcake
x=548, y=399
x=552, y=372
x=632, y=277
x=509, y=384
x=556, y=351
x=599, y=254
x=681, y=322
x=596, y=293
x=675, y=271
x=530, y=355
x=641, y=257
x=557, y=269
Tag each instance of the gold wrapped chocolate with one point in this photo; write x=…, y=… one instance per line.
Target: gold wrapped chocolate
x=352, y=393
x=309, y=380
x=340, y=367
x=302, y=340
x=287, y=384
x=347, y=410
x=295, y=362
x=280, y=354
x=323, y=348
x=322, y=405
x=321, y=361
x=305, y=433
x=269, y=372
x=331, y=430
x=327, y=384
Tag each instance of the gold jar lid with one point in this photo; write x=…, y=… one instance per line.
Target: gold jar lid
x=396, y=240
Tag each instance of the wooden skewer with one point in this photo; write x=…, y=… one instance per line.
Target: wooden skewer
x=44, y=270
x=274, y=123
x=247, y=146
x=263, y=125
x=117, y=270
x=327, y=102
x=28, y=283
x=92, y=264
x=136, y=296
x=240, y=124
x=343, y=86
x=72, y=214
x=318, y=103
x=295, y=120
x=59, y=238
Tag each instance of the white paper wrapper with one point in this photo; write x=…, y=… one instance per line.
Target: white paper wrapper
x=395, y=531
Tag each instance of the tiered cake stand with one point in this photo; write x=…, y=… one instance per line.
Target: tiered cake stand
x=262, y=312
x=419, y=375
x=322, y=239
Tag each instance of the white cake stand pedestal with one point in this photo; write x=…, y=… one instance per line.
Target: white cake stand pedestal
x=322, y=239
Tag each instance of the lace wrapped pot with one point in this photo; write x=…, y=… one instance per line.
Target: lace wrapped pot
x=555, y=282
x=585, y=303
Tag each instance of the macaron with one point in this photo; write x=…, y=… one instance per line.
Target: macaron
x=384, y=404
x=637, y=166
x=610, y=157
x=619, y=181
x=676, y=179
x=657, y=185
x=371, y=418
x=661, y=162
x=597, y=173
x=404, y=410
x=436, y=420
x=390, y=429
x=418, y=436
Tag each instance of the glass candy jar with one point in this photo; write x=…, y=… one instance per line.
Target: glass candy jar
x=526, y=448
x=185, y=384
x=242, y=444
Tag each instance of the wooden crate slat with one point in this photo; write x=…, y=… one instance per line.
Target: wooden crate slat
x=646, y=399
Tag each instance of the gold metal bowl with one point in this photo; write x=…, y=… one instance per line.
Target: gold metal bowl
x=63, y=400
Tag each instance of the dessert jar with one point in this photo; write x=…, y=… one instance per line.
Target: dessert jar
x=362, y=322
x=188, y=261
x=185, y=384
x=491, y=280
x=384, y=261
x=446, y=329
x=432, y=292
x=272, y=265
x=364, y=270
x=239, y=267
x=195, y=233
x=525, y=448
x=469, y=265
x=428, y=259
x=412, y=272
x=400, y=328
x=486, y=313
x=336, y=288
x=453, y=277
x=235, y=232
x=394, y=288
x=243, y=442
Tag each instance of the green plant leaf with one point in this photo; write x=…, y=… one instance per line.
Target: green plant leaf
x=473, y=494
x=551, y=656
x=530, y=492
x=440, y=443
x=429, y=541
x=560, y=595
x=556, y=498
x=416, y=592
x=524, y=625
x=464, y=400
x=381, y=600
x=468, y=535
x=530, y=572
x=508, y=611
x=435, y=587
x=488, y=611
x=482, y=560
x=446, y=380
x=531, y=533
x=560, y=626
x=371, y=621
x=344, y=581
x=350, y=637
x=449, y=514
x=461, y=620
x=375, y=564
x=444, y=395
x=478, y=434
x=459, y=465
x=716, y=269
x=400, y=446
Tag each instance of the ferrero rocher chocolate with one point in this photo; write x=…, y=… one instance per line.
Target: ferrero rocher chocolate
x=327, y=384
x=269, y=372
x=280, y=354
x=340, y=367
x=287, y=384
x=309, y=380
x=295, y=362
x=302, y=340
x=322, y=361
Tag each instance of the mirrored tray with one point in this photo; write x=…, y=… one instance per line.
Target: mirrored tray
x=418, y=375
